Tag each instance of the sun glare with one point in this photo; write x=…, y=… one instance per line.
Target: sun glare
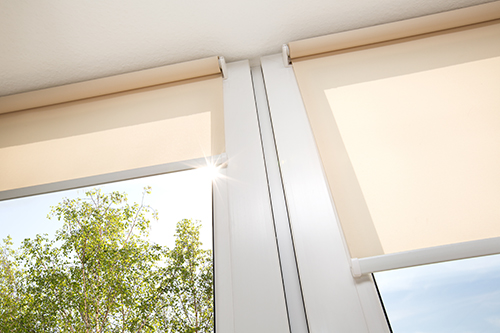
x=211, y=171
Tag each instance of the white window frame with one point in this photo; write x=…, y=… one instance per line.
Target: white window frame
x=335, y=301
x=249, y=294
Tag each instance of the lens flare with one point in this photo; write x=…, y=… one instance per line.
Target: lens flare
x=211, y=171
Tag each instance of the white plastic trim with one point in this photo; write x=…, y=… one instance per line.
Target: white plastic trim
x=355, y=268
x=223, y=67
x=285, y=52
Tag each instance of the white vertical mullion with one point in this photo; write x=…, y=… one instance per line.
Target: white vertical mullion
x=224, y=317
x=330, y=292
x=256, y=297
x=291, y=281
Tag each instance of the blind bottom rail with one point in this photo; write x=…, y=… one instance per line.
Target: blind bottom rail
x=477, y=248
x=216, y=160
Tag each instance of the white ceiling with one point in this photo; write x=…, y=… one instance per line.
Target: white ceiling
x=53, y=42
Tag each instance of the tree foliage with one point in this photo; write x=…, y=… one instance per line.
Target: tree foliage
x=101, y=274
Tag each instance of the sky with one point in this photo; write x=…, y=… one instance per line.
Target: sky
x=460, y=296
x=178, y=195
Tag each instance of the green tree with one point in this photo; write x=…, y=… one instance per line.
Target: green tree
x=11, y=288
x=101, y=274
x=188, y=283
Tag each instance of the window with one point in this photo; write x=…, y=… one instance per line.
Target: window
x=458, y=296
x=104, y=263
x=248, y=282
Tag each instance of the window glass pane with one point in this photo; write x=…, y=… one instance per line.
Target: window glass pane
x=457, y=296
x=109, y=265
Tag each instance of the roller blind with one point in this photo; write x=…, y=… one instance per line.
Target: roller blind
x=408, y=131
x=137, y=120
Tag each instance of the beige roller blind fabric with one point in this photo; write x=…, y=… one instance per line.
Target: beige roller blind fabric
x=155, y=123
x=409, y=135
